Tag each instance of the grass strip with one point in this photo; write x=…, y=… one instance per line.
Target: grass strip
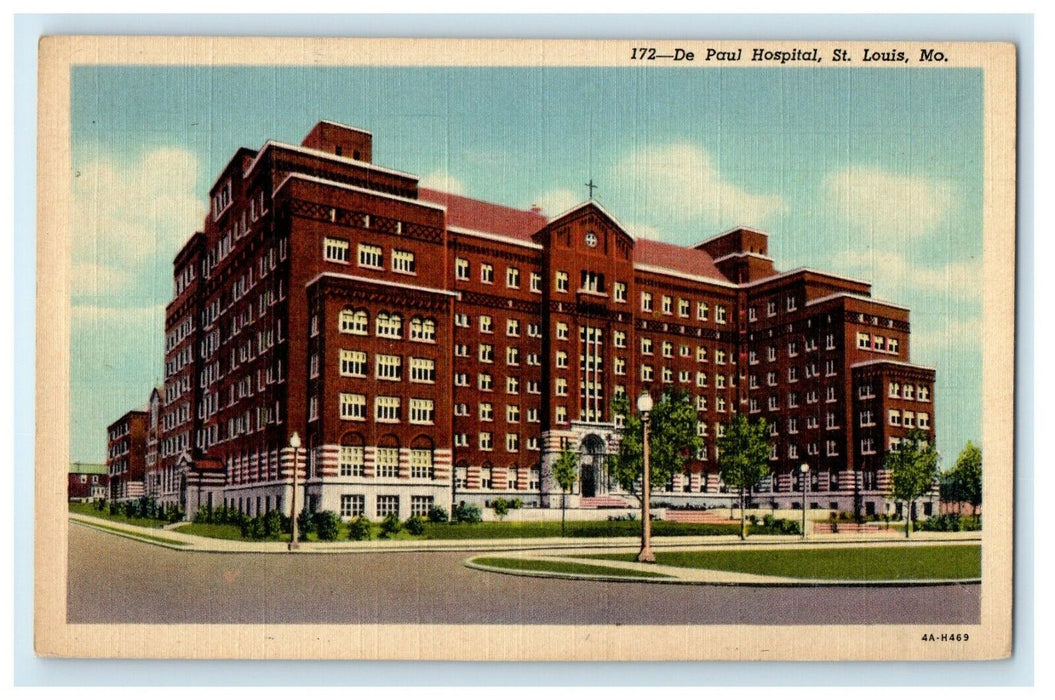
x=90, y=510
x=563, y=567
x=918, y=563
x=136, y=535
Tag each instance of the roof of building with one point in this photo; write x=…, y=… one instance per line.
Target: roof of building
x=675, y=257
x=485, y=216
x=86, y=468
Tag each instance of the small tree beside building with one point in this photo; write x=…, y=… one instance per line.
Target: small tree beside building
x=743, y=458
x=565, y=470
x=963, y=483
x=913, y=466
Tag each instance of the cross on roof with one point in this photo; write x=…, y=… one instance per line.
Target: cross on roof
x=591, y=186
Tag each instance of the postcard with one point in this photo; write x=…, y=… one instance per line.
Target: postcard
x=525, y=350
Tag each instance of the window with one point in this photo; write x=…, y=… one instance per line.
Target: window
x=421, y=506
x=923, y=394
x=387, y=409
x=864, y=341
x=701, y=354
x=829, y=368
x=879, y=343
x=790, y=303
x=461, y=269
x=370, y=256
x=891, y=345
x=461, y=379
x=619, y=292
x=562, y=330
x=561, y=414
x=560, y=281
x=668, y=349
x=486, y=411
x=486, y=324
x=832, y=447
x=701, y=403
x=923, y=420
x=684, y=350
x=719, y=381
x=683, y=308
x=562, y=359
x=865, y=391
x=646, y=301
x=403, y=261
x=354, y=322
x=793, y=426
x=485, y=382
x=771, y=307
x=619, y=339
x=793, y=349
x=351, y=461
x=684, y=376
x=793, y=374
x=719, y=314
x=668, y=375
x=619, y=366
x=867, y=419
x=353, y=363
x=422, y=370
x=829, y=341
x=667, y=305
x=752, y=314
x=592, y=282
x=701, y=379
x=868, y=446
x=422, y=411
x=423, y=330
x=646, y=373
x=646, y=346
x=560, y=386
x=512, y=356
x=512, y=413
x=536, y=282
x=513, y=277
x=829, y=394
x=512, y=442
x=487, y=273
x=773, y=403
x=389, y=326
x=894, y=417
x=353, y=406
x=513, y=328
x=389, y=367
x=387, y=505
x=909, y=391
x=335, y=250
x=486, y=353
x=894, y=390
x=352, y=505
x=829, y=421
x=486, y=441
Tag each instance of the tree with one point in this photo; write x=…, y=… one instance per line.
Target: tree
x=963, y=483
x=672, y=441
x=913, y=466
x=743, y=458
x=565, y=470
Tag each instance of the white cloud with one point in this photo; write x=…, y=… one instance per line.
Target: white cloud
x=131, y=216
x=681, y=182
x=444, y=182
x=556, y=202
x=879, y=202
x=962, y=279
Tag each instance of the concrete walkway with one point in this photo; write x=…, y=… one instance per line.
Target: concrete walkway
x=545, y=545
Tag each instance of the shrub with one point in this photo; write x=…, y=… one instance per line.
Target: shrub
x=753, y=519
x=789, y=527
x=500, y=507
x=767, y=521
x=203, y=515
x=173, y=514
x=438, y=514
x=275, y=523
x=100, y=504
x=415, y=525
x=305, y=522
x=327, y=525
x=253, y=528
x=390, y=525
x=359, y=529
x=467, y=513
x=516, y=503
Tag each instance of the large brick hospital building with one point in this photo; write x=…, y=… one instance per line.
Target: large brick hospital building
x=430, y=348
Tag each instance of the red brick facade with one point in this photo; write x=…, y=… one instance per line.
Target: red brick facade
x=126, y=455
x=429, y=348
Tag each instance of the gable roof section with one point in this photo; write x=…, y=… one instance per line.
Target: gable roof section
x=485, y=216
x=675, y=257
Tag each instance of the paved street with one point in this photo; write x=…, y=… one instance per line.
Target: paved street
x=113, y=579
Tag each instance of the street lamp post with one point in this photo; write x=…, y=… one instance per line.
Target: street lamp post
x=294, y=442
x=805, y=470
x=644, y=407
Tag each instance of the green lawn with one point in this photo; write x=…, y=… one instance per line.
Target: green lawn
x=561, y=567
x=152, y=538
x=89, y=509
x=857, y=564
x=585, y=528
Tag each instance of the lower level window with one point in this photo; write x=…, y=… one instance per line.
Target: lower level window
x=388, y=462
x=421, y=505
x=351, y=461
x=387, y=505
x=352, y=505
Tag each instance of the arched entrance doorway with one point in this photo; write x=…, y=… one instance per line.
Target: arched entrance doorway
x=591, y=467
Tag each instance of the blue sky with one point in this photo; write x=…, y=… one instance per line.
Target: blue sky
x=875, y=173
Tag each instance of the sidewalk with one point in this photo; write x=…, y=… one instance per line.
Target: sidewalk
x=184, y=542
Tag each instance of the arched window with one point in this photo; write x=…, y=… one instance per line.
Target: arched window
x=421, y=458
x=389, y=326
x=352, y=458
x=388, y=457
x=423, y=329
x=356, y=322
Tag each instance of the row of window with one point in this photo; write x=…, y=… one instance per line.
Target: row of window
x=353, y=505
x=684, y=307
x=338, y=250
x=387, y=409
x=463, y=273
x=877, y=343
x=487, y=480
x=386, y=325
x=352, y=462
x=485, y=441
